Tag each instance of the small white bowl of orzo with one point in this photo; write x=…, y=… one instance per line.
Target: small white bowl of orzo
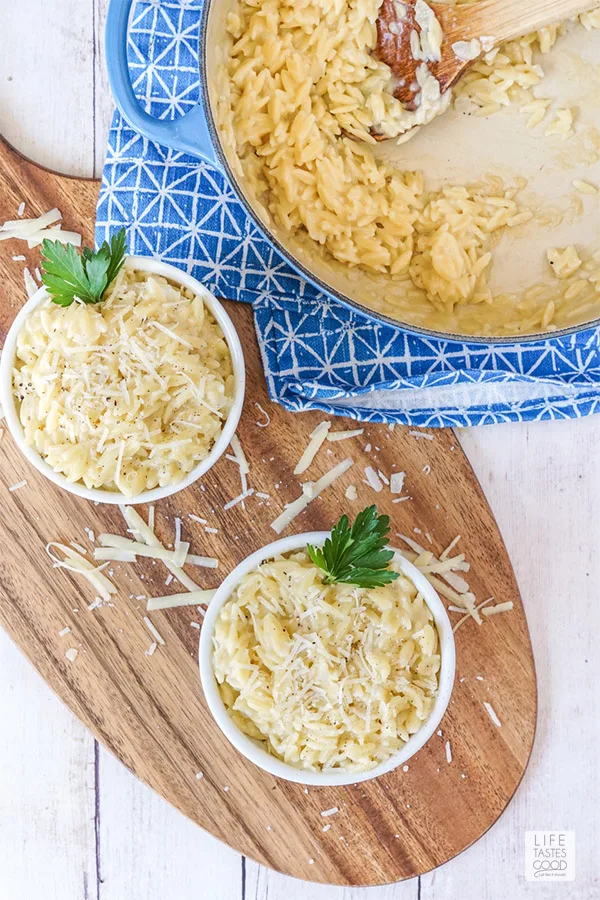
x=316, y=678
x=130, y=394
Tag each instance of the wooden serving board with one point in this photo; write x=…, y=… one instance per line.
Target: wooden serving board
x=149, y=710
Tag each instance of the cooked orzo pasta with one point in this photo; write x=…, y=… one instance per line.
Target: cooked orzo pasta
x=129, y=394
x=300, y=96
x=325, y=676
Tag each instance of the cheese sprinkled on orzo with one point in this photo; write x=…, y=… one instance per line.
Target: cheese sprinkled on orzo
x=129, y=394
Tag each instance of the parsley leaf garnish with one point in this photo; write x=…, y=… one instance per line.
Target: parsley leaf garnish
x=356, y=554
x=68, y=275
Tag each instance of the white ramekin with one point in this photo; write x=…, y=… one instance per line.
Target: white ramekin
x=249, y=748
x=154, y=267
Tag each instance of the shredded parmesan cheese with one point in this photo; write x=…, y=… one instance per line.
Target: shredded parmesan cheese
x=448, y=752
x=490, y=711
x=180, y=553
x=71, y=654
x=454, y=588
x=35, y=230
x=27, y=227
x=153, y=631
x=18, y=485
x=450, y=547
x=411, y=543
x=240, y=456
x=31, y=287
x=373, y=479
x=265, y=414
x=344, y=435
x=156, y=551
x=114, y=554
x=137, y=524
x=56, y=233
x=171, y=601
x=421, y=434
x=242, y=462
x=498, y=608
x=351, y=492
x=397, y=482
x=76, y=563
x=109, y=399
x=470, y=615
x=456, y=581
x=317, y=487
x=317, y=438
x=78, y=547
x=239, y=499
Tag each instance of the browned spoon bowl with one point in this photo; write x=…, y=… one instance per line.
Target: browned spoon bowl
x=477, y=26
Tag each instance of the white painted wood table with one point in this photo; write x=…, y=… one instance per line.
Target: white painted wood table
x=75, y=824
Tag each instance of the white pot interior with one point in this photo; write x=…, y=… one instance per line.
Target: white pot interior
x=458, y=149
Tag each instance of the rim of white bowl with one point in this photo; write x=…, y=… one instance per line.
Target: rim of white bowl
x=247, y=747
x=153, y=267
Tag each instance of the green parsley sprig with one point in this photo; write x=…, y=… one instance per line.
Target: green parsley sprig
x=68, y=275
x=356, y=554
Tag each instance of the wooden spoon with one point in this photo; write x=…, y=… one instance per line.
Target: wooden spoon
x=486, y=24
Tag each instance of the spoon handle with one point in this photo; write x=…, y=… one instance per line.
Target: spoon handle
x=503, y=20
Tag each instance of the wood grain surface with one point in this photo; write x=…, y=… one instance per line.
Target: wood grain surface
x=150, y=711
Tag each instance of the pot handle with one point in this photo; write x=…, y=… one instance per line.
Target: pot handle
x=188, y=133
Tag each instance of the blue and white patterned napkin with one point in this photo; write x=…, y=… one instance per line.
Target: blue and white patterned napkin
x=317, y=354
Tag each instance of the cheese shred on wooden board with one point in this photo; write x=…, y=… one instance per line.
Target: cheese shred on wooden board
x=137, y=524
x=309, y=492
x=75, y=562
x=317, y=439
x=134, y=548
x=344, y=435
x=171, y=601
x=35, y=230
x=373, y=479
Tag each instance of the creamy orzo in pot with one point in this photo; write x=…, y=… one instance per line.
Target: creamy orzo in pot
x=300, y=98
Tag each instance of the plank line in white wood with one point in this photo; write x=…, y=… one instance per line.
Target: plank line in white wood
x=543, y=482
x=46, y=69
x=148, y=849
x=263, y=884
x=103, y=104
x=46, y=789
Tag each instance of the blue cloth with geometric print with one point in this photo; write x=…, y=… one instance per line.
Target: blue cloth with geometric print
x=317, y=354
